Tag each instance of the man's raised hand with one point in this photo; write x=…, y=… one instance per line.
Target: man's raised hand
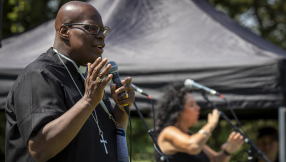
x=94, y=82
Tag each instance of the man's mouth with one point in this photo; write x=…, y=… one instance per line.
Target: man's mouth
x=99, y=46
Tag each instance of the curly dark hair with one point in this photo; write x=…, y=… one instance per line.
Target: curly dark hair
x=170, y=105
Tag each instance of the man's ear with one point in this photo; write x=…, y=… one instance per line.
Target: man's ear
x=64, y=32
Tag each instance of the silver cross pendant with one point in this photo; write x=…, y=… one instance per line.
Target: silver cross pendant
x=104, y=142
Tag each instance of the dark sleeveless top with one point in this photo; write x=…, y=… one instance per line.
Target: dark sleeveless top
x=183, y=157
x=256, y=160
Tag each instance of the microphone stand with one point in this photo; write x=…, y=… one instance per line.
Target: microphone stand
x=150, y=132
x=250, y=153
x=246, y=139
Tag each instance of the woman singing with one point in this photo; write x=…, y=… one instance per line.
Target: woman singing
x=177, y=112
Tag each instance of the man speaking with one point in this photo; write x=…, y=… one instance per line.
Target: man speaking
x=56, y=113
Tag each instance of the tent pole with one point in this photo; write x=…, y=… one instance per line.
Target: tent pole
x=281, y=118
x=1, y=12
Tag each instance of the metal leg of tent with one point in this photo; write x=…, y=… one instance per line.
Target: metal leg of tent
x=281, y=118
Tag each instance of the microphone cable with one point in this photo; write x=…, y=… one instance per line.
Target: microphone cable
x=234, y=115
x=163, y=157
x=154, y=126
x=150, y=131
x=131, y=137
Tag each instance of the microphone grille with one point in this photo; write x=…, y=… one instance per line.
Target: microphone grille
x=189, y=83
x=114, y=67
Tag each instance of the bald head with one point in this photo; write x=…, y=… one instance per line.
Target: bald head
x=73, y=37
x=74, y=12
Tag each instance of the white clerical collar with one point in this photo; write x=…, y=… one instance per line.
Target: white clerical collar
x=80, y=69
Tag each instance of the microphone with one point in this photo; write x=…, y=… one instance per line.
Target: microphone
x=116, y=79
x=192, y=84
x=139, y=90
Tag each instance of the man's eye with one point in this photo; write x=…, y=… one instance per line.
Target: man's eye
x=86, y=27
x=93, y=28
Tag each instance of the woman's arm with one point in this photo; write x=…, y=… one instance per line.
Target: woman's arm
x=215, y=156
x=172, y=139
x=234, y=142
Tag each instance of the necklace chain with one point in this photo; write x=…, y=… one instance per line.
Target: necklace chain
x=102, y=103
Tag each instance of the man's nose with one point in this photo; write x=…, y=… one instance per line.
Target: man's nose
x=100, y=35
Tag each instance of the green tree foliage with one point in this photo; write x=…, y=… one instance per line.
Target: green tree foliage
x=267, y=18
x=22, y=15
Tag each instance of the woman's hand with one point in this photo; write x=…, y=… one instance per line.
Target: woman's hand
x=234, y=141
x=213, y=119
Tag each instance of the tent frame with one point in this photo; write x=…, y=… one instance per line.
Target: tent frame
x=281, y=118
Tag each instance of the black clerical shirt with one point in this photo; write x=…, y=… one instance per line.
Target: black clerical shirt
x=43, y=92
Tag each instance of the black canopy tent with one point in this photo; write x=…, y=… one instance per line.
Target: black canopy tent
x=170, y=41
x=157, y=42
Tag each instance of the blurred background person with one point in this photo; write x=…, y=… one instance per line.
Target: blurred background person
x=177, y=112
x=267, y=142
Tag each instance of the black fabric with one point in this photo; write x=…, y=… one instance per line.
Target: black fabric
x=168, y=41
x=256, y=160
x=43, y=92
x=183, y=157
x=268, y=131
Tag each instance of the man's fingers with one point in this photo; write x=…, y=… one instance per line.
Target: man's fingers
x=126, y=87
x=112, y=87
x=123, y=99
x=124, y=96
x=94, y=74
x=92, y=66
x=96, y=70
x=104, y=71
x=105, y=81
x=102, y=63
x=96, y=62
x=88, y=70
x=128, y=100
x=126, y=81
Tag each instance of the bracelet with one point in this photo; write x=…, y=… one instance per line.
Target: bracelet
x=226, y=153
x=204, y=132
